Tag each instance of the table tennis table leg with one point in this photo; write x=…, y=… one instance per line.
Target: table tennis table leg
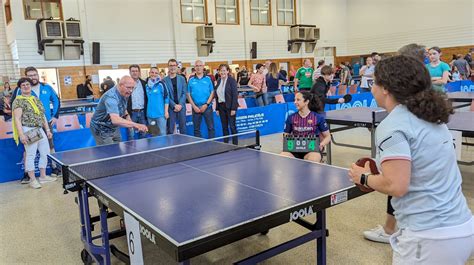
x=372, y=141
x=329, y=149
x=91, y=251
x=321, y=241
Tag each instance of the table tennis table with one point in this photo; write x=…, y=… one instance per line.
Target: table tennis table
x=371, y=117
x=189, y=196
x=77, y=105
x=465, y=98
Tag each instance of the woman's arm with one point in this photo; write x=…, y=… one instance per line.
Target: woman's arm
x=46, y=128
x=17, y=113
x=326, y=139
x=394, y=179
x=443, y=80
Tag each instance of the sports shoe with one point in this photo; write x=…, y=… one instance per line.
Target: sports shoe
x=46, y=179
x=35, y=184
x=378, y=235
x=25, y=179
x=56, y=172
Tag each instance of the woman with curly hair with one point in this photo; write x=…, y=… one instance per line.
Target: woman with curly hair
x=434, y=221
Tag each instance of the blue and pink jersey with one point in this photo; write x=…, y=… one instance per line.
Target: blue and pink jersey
x=312, y=124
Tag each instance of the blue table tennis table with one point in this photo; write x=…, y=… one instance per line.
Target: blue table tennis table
x=190, y=196
x=77, y=105
x=370, y=118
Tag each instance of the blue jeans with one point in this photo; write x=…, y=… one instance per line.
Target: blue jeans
x=208, y=118
x=138, y=117
x=160, y=124
x=179, y=117
x=261, y=100
x=271, y=96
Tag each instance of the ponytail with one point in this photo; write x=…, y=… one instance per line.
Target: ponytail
x=314, y=103
x=430, y=105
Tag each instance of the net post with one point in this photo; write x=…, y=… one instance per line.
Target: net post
x=257, y=140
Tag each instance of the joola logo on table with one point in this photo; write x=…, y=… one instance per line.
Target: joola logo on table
x=147, y=234
x=301, y=213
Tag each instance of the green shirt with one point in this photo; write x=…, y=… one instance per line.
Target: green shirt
x=29, y=118
x=305, y=78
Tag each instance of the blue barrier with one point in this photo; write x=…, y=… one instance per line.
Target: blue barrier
x=463, y=86
x=269, y=119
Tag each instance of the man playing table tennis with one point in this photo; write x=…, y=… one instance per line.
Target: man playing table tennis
x=111, y=114
x=307, y=122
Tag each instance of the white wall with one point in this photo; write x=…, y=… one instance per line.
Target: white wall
x=150, y=31
x=386, y=25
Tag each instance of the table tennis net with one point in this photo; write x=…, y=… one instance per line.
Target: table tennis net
x=379, y=115
x=160, y=157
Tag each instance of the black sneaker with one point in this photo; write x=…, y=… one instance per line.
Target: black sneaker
x=25, y=179
x=56, y=173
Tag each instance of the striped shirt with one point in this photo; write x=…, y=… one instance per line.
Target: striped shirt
x=312, y=124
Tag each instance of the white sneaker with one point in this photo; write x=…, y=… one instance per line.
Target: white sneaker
x=35, y=184
x=46, y=179
x=378, y=235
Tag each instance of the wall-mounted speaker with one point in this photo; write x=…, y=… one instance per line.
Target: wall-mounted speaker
x=96, y=53
x=253, y=50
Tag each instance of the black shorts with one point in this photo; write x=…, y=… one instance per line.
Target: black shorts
x=299, y=155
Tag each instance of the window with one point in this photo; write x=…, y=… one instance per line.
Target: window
x=36, y=9
x=8, y=12
x=286, y=12
x=193, y=11
x=260, y=12
x=227, y=12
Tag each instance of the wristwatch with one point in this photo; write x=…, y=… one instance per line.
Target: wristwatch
x=364, y=179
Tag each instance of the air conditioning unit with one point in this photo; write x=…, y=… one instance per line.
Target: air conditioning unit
x=294, y=46
x=297, y=33
x=51, y=29
x=73, y=42
x=309, y=47
x=205, y=32
x=312, y=34
x=72, y=30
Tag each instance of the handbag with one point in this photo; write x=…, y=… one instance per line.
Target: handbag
x=33, y=135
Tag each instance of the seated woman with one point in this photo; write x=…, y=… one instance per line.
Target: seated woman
x=28, y=115
x=307, y=122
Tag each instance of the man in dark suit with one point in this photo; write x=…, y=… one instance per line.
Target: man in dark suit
x=176, y=85
x=137, y=102
x=227, y=102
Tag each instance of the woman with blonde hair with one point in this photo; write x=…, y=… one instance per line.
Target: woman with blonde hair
x=274, y=79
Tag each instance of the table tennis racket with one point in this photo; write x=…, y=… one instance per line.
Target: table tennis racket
x=347, y=98
x=373, y=169
x=153, y=130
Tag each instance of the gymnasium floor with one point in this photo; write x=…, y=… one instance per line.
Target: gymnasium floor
x=42, y=226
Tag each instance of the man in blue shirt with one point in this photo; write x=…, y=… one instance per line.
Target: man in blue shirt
x=176, y=85
x=46, y=94
x=200, y=95
x=111, y=113
x=137, y=105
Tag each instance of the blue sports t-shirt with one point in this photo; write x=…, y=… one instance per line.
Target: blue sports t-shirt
x=312, y=124
x=200, y=89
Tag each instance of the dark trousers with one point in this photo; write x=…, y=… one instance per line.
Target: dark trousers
x=208, y=118
x=179, y=117
x=390, y=209
x=227, y=120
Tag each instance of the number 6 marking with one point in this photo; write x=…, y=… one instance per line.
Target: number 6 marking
x=130, y=243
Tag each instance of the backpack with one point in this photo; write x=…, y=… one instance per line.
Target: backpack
x=81, y=91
